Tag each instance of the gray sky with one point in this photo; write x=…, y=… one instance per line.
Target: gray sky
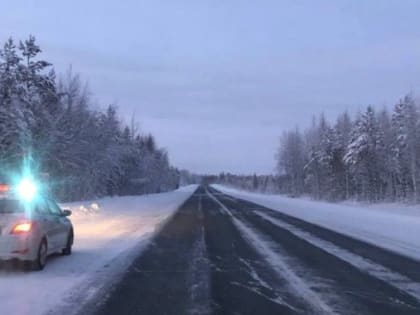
x=217, y=81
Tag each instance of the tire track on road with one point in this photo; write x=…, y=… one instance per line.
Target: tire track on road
x=365, y=265
x=315, y=304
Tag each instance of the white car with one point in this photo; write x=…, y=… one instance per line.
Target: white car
x=29, y=233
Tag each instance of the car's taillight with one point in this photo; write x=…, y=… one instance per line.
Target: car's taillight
x=4, y=188
x=22, y=228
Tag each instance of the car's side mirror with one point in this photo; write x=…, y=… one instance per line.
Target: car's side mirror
x=66, y=213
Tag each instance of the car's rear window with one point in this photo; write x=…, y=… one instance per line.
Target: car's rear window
x=11, y=206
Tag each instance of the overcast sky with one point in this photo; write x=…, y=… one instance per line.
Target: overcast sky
x=217, y=81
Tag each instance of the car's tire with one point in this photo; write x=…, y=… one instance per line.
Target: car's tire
x=41, y=259
x=68, y=249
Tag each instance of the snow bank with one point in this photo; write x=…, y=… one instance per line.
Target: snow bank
x=395, y=227
x=107, y=236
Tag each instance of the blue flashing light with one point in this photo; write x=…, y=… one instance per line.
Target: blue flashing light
x=27, y=189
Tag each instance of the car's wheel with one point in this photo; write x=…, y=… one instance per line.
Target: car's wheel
x=67, y=250
x=41, y=259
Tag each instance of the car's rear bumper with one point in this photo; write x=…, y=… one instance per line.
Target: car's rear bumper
x=17, y=247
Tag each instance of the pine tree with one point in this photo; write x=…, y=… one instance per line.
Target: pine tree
x=291, y=161
x=406, y=147
x=363, y=155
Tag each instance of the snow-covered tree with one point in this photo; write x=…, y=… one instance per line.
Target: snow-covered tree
x=86, y=152
x=290, y=161
x=406, y=148
x=375, y=157
x=364, y=156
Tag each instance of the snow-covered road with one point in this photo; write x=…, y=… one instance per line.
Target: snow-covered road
x=220, y=254
x=109, y=233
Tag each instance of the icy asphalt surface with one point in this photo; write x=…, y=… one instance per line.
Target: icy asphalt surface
x=223, y=255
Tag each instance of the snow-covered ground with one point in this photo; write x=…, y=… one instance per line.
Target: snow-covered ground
x=109, y=233
x=395, y=227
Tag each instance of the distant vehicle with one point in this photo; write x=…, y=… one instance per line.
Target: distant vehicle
x=30, y=232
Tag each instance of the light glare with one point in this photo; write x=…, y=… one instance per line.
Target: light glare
x=27, y=189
